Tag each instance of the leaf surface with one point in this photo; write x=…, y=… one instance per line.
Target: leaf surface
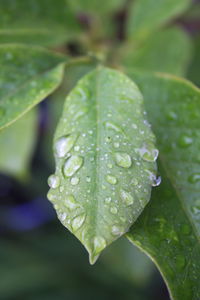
x=145, y=16
x=169, y=228
x=105, y=159
x=27, y=76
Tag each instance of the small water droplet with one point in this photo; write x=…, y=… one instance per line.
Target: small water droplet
x=88, y=179
x=62, y=217
x=77, y=222
x=110, y=125
x=185, y=141
x=155, y=181
x=109, y=166
x=123, y=159
x=108, y=139
x=71, y=203
x=126, y=197
x=148, y=152
x=53, y=181
x=72, y=165
x=116, y=230
x=111, y=179
x=64, y=144
x=194, y=178
x=76, y=148
x=114, y=210
x=99, y=244
x=108, y=200
x=74, y=180
x=116, y=145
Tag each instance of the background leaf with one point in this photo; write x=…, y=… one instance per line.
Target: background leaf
x=103, y=180
x=169, y=229
x=193, y=70
x=36, y=22
x=168, y=51
x=27, y=76
x=145, y=16
x=17, y=145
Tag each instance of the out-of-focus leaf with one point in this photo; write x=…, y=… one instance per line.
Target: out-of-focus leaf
x=105, y=159
x=17, y=144
x=194, y=68
x=42, y=22
x=27, y=76
x=169, y=229
x=145, y=16
x=166, y=51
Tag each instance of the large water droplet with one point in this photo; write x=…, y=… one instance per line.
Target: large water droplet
x=74, y=180
x=99, y=244
x=111, y=179
x=116, y=230
x=123, y=159
x=114, y=210
x=126, y=197
x=194, y=178
x=71, y=203
x=64, y=144
x=77, y=222
x=110, y=125
x=72, y=165
x=53, y=181
x=148, y=152
x=155, y=181
x=185, y=141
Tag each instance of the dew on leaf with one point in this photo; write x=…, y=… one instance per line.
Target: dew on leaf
x=64, y=144
x=123, y=159
x=108, y=200
x=185, y=141
x=114, y=210
x=116, y=230
x=126, y=197
x=74, y=180
x=71, y=203
x=194, y=178
x=72, y=165
x=53, y=181
x=111, y=179
x=88, y=179
x=148, y=153
x=78, y=221
x=99, y=244
x=116, y=145
x=110, y=125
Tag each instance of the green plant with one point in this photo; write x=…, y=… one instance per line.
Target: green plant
x=104, y=147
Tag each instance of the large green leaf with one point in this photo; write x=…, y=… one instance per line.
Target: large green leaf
x=27, y=76
x=146, y=16
x=167, y=51
x=17, y=143
x=169, y=229
x=41, y=22
x=105, y=159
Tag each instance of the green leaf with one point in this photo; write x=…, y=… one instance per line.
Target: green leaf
x=193, y=70
x=27, y=76
x=169, y=229
x=105, y=159
x=145, y=16
x=167, y=51
x=17, y=144
x=36, y=22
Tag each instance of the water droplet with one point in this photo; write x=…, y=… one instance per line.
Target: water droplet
x=2, y=111
x=108, y=139
x=99, y=244
x=108, y=200
x=76, y=148
x=116, y=145
x=110, y=125
x=64, y=144
x=123, y=159
x=171, y=115
x=62, y=217
x=88, y=179
x=71, y=203
x=109, y=166
x=77, y=222
x=116, y=230
x=194, y=178
x=111, y=179
x=113, y=210
x=148, y=152
x=74, y=180
x=53, y=181
x=185, y=141
x=155, y=181
x=126, y=197
x=72, y=165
